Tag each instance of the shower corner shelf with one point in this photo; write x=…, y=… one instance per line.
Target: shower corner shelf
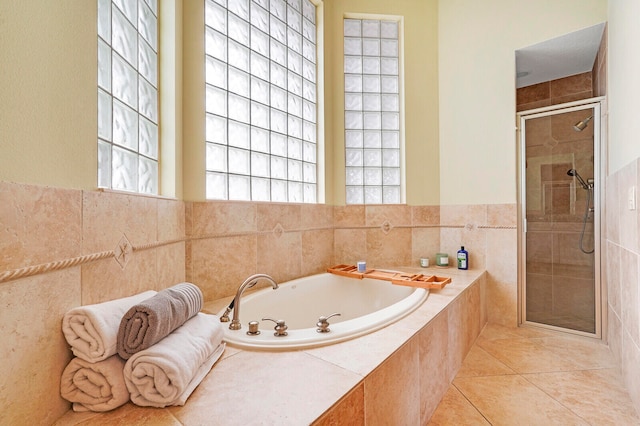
x=433, y=282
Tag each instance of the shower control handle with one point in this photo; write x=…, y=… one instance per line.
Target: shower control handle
x=323, y=323
x=280, y=328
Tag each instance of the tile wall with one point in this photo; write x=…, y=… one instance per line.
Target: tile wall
x=554, y=92
x=43, y=228
x=489, y=233
x=63, y=248
x=599, y=70
x=228, y=241
x=622, y=274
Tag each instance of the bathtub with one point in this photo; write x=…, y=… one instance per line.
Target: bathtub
x=364, y=305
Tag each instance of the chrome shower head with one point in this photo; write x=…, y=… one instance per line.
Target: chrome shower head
x=581, y=125
x=574, y=173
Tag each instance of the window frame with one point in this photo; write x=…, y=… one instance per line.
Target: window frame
x=222, y=144
x=401, y=106
x=139, y=143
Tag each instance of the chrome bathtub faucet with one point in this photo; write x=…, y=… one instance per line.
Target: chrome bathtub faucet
x=280, y=329
x=323, y=323
x=235, y=304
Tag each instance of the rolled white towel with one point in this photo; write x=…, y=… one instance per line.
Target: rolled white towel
x=92, y=330
x=169, y=371
x=94, y=386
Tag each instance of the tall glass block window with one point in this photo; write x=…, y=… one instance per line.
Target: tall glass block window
x=261, y=100
x=128, y=95
x=372, y=111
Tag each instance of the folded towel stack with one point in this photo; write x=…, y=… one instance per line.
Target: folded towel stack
x=151, y=320
x=95, y=386
x=170, y=346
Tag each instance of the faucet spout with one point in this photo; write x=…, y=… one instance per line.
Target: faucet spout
x=248, y=283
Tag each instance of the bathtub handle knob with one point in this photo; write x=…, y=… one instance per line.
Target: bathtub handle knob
x=280, y=328
x=253, y=328
x=323, y=323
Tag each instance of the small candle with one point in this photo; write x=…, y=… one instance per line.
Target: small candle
x=442, y=259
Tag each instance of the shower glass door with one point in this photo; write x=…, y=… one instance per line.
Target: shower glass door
x=559, y=194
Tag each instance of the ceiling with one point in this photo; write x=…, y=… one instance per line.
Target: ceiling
x=570, y=54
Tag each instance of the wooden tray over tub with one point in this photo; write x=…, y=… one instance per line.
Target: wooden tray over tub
x=395, y=277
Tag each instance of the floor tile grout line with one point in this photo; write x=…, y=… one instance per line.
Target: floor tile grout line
x=555, y=399
x=498, y=360
x=536, y=341
x=487, y=375
x=471, y=403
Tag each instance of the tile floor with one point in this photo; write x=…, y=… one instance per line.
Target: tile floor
x=526, y=376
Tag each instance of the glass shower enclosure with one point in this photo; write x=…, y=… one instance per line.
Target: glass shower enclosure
x=559, y=197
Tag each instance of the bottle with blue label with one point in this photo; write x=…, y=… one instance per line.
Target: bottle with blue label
x=463, y=258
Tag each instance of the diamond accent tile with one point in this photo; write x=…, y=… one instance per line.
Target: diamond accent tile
x=278, y=230
x=123, y=251
x=386, y=226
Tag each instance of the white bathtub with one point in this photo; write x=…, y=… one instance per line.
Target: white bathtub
x=365, y=305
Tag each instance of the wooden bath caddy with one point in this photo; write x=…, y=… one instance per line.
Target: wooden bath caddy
x=399, y=278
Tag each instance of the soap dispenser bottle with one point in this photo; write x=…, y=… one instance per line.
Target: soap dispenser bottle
x=463, y=258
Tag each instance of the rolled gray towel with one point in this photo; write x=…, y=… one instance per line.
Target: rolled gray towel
x=151, y=320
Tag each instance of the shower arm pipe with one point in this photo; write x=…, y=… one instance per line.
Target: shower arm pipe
x=581, y=125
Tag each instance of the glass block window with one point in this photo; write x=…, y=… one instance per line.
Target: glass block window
x=128, y=95
x=372, y=111
x=261, y=100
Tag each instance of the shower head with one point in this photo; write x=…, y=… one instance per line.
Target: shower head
x=581, y=125
x=574, y=173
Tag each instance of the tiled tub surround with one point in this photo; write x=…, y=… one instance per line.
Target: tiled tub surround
x=396, y=375
x=176, y=241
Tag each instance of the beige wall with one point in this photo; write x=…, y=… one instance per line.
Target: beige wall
x=48, y=92
x=48, y=113
x=48, y=107
x=170, y=60
x=477, y=46
x=193, y=102
x=624, y=85
x=420, y=91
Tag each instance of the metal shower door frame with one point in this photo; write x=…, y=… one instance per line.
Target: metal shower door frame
x=599, y=167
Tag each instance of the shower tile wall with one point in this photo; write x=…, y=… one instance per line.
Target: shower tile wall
x=559, y=276
x=600, y=67
x=554, y=92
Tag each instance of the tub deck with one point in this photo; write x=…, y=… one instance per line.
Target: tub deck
x=399, y=373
